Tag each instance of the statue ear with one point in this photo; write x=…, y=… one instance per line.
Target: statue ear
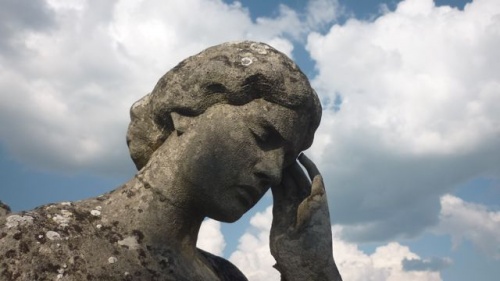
x=181, y=122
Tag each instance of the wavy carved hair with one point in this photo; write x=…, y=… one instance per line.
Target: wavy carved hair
x=231, y=73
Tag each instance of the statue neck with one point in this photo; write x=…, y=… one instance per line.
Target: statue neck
x=159, y=216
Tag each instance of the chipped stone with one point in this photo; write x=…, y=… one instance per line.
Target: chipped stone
x=95, y=213
x=130, y=242
x=98, y=226
x=17, y=220
x=52, y=235
x=112, y=260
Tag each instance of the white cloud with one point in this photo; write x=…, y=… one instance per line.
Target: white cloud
x=410, y=101
x=210, y=237
x=71, y=70
x=253, y=256
x=385, y=264
x=432, y=264
x=254, y=259
x=468, y=221
x=321, y=13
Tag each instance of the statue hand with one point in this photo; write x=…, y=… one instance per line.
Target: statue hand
x=301, y=236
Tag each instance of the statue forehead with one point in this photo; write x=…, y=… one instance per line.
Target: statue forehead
x=285, y=120
x=290, y=124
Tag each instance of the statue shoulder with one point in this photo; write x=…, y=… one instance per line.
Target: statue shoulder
x=223, y=268
x=49, y=242
x=33, y=243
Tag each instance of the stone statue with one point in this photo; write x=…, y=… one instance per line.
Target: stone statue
x=217, y=131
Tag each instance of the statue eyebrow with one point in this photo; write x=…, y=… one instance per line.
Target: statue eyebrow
x=288, y=144
x=272, y=129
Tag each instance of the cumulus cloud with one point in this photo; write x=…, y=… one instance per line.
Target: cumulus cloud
x=387, y=263
x=210, y=237
x=469, y=221
x=410, y=113
x=71, y=69
x=252, y=255
x=19, y=17
x=320, y=13
x=432, y=264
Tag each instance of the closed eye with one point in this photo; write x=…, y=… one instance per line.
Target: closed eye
x=262, y=138
x=267, y=137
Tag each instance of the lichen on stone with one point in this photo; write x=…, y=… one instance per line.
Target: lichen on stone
x=17, y=220
x=52, y=235
x=63, y=219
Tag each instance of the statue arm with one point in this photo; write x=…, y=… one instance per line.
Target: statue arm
x=301, y=237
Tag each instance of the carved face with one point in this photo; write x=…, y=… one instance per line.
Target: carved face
x=233, y=154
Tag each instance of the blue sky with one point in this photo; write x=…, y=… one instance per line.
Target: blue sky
x=408, y=144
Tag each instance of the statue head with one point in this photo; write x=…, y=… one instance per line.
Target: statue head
x=230, y=73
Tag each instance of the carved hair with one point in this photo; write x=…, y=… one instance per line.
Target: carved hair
x=230, y=73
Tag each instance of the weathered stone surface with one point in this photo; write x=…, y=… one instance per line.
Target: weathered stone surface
x=36, y=246
x=215, y=134
x=231, y=73
x=4, y=209
x=300, y=240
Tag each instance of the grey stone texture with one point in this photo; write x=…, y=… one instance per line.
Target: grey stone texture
x=216, y=132
x=4, y=209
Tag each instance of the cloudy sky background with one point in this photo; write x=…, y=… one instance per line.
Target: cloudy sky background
x=409, y=144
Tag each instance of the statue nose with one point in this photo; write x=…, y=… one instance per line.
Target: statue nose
x=269, y=168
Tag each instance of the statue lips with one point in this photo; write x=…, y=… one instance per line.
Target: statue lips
x=249, y=194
